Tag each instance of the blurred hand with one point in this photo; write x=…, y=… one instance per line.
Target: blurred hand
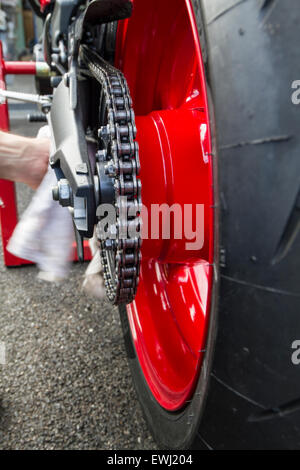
x=23, y=159
x=34, y=162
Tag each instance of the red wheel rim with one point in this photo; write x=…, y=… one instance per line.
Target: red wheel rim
x=158, y=50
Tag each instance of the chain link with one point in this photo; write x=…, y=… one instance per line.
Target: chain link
x=120, y=255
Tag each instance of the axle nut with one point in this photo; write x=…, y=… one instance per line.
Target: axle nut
x=65, y=193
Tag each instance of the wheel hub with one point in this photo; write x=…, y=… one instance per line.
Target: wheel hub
x=174, y=150
x=159, y=52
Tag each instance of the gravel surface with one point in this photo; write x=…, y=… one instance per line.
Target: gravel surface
x=66, y=383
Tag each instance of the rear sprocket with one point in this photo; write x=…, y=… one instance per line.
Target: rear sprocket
x=118, y=167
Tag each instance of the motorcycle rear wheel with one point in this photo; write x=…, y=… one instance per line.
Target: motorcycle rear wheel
x=199, y=389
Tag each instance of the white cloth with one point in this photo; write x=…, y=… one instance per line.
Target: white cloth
x=45, y=232
x=93, y=283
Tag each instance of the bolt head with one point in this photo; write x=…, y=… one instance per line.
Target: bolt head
x=109, y=244
x=65, y=194
x=110, y=169
x=101, y=155
x=104, y=133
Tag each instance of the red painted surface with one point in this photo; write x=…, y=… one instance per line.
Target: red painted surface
x=86, y=251
x=8, y=202
x=159, y=52
x=44, y=3
x=19, y=68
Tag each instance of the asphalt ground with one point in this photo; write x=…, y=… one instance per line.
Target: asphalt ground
x=66, y=382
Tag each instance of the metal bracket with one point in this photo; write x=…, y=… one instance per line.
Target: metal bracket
x=72, y=159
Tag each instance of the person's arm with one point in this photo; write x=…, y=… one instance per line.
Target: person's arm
x=23, y=159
